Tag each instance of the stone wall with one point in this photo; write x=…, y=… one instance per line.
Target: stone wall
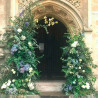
x=94, y=25
x=3, y=20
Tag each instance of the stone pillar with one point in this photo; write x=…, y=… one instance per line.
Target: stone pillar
x=94, y=16
x=3, y=21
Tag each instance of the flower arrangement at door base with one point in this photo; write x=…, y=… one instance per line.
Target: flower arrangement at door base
x=77, y=66
x=20, y=67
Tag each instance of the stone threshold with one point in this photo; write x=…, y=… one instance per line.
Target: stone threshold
x=49, y=85
x=45, y=95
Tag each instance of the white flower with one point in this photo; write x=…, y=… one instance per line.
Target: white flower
x=87, y=85
x=9, y=82
x=30, y=70
x=13, y=80
x=79, y=67
x=74, y=44
x=74, y=82
x=3, y=86
x=29, y=80
x=31, y=85
x=83, y=71
x=23, y=37
x=71, y=72
x=78, y=76
x=83, y=86
x=19, y=30
x=29, y=43
x=13, y=71
x=80, y=60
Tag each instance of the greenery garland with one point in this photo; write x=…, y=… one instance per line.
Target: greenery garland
x=77, y=66
x=21, y=64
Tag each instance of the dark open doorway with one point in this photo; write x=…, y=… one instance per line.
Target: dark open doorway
x=50, y=65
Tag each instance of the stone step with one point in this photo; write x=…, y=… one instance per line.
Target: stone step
x=45, y=95
x=53, y=95
x=50, y=86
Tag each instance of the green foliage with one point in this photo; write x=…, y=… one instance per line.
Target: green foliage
x=21, y=62
x=77, y=66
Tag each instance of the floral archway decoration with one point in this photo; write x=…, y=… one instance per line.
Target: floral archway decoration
x=77, y=66
x=21, y=63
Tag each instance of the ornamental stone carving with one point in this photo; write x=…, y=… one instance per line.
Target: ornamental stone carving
x=63, y=10
x=75, y=3
x=51, y=10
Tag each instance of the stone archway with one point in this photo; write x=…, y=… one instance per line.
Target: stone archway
x=61, y=10
x=70, y=17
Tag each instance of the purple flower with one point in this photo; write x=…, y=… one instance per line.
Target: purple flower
x=26, y=67
x=22, y=13
x=26, y=23
x=69, y=87
x=12, y=53
x=14, y=48
x=65, y=89
x=21, y=65
x=11, y=91
x=22, y=70
x=30, y=53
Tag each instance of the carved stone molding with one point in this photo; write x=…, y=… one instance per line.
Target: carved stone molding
x=75, y=3
x=57, y=12
x=63, y=10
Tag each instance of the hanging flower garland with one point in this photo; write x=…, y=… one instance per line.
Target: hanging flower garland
x=77, y=64
x=22, y=61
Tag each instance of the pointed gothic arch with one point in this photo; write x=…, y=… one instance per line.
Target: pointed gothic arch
x=63, y=11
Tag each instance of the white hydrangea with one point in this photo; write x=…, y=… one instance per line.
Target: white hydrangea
x=74, y=44
x=83, y=86
x=9, y=82
x=74, y=82
x=79, y=67
x=87, y=85
x=30, y=70
x=78, y=76
x=30, y=44
x=31, y=85
x=19, y=30
x=13, y=71
x=13, y=80
x=83, y=71
x=80, y=60
x=4, y=86
x=23, y=37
